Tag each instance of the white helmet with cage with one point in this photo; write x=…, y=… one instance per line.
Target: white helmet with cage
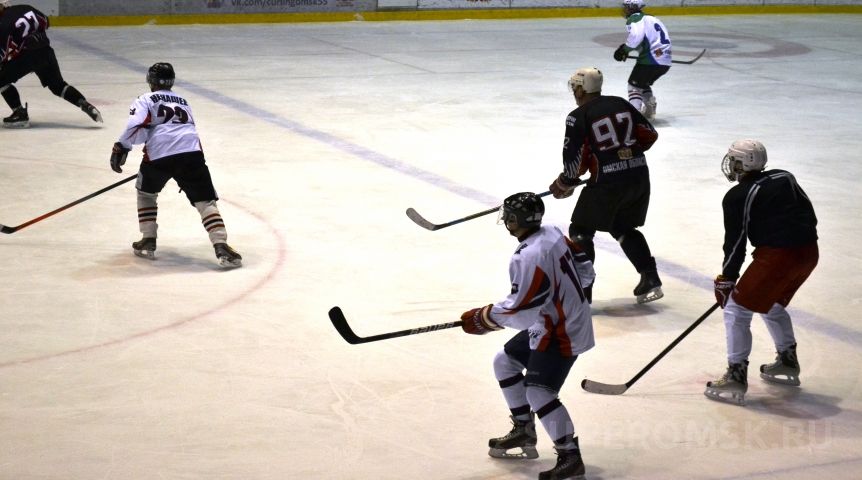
x=742, y=157
x=589, y=78
x=632, y=6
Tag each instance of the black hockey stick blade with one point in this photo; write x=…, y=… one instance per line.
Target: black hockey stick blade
x=618, y=389
x=7, y=229
x=336, y=316
x=422, y=222
x=684, y=62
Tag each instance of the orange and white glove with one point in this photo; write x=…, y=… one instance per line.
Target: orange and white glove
x=478, y=321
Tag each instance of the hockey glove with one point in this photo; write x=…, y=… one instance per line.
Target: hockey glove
x=118, y=157
x=478, y=321
x=563, y=187
x=620, y=54
x=723, y=289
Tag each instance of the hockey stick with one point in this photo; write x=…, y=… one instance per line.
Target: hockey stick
x=420, y=220
x=340, y=324
x=684, y=62
x=6, y=229
x=608, y=389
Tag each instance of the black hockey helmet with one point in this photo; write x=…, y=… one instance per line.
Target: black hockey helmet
x=522, y=210
x=161, y=75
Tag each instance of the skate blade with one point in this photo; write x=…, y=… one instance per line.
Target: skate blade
x=228, y=263
x=791, y=380
x=17, y=125
x=735, y=398
x=650, y=296
x=526, y=453
x=148, y=254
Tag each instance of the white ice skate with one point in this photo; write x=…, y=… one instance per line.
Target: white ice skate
x=650, y=108
x=731, y=387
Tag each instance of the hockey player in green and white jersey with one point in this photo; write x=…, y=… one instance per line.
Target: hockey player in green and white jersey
x=647, y=36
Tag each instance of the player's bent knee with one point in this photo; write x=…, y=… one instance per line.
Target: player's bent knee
x=542, y=400
x=506, y=367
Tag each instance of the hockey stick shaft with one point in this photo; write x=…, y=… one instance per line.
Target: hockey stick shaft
x=336, y=316
x=7, y=229
x=684, y=62
x=422, y=222
x=598, y=387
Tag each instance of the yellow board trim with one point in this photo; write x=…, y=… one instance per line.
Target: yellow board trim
x=454, y=14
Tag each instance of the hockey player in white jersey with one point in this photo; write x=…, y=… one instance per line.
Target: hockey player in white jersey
x=548, y=305
x=647, y=36
x=162, y=120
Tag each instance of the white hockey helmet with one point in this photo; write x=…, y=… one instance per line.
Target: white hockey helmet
x=632, y=6
x=4, y=3
x=589, y=78
x=742, y=157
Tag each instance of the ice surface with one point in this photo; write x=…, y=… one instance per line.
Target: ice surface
x=319, y=136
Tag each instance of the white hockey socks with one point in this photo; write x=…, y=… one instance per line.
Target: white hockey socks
x=553, y=415
x=510, y=376
x=148, y=210
x=212, y=221
x=737, y=324
x=780, y=328
x=636, y=97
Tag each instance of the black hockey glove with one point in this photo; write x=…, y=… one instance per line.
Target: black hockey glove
x=620, y=54
x=118, y=157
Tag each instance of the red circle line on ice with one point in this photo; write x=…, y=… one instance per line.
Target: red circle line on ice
x=276, y=266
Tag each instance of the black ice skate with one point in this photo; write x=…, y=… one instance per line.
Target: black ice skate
x=785, y=369
x=522, y=435
x=18, y=119
x=731, y=387
x=569, y=465
x=92, y=111
x=227, y=257
x=649, y=288
x=145, y=248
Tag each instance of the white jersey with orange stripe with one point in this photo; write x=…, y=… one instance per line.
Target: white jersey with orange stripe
x=548, y=274
x=163, y=121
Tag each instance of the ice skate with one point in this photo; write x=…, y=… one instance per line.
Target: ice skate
x=92, y=111
x=649, y=288
x=522, y=436
x=145, y=248
x=18, y=119
x=650, y=107
x=569, y=465
x=785, y=369
x=227, y=257
x=731, y=387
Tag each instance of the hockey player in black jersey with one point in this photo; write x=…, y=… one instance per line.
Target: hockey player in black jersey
x=768, y=208
x=25, y=49
x=607, y=136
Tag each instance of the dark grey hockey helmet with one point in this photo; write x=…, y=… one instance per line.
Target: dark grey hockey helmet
x=522, y=210
x=161, y=75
